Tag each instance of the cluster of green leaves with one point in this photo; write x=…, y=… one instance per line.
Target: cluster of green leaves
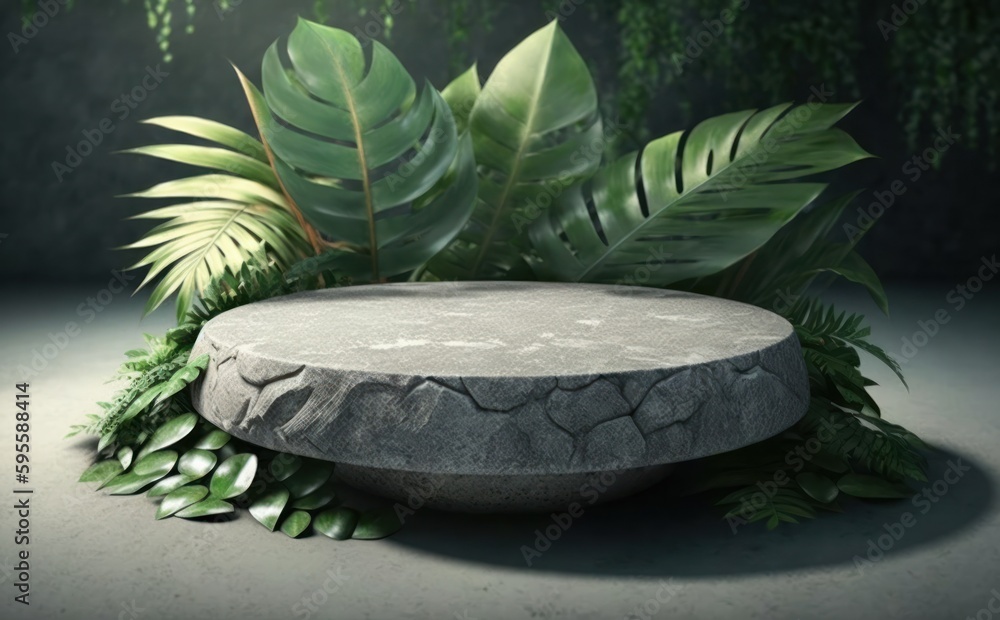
x=155, y=381
x=156, y=377
x=197, y=470
x=512, y=186
x=226, y=216
x=508, y=180
x=842, y=446
x=155, y=443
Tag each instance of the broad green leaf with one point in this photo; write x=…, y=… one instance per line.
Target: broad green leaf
x=159, y=462
x=169, y=484
x=169, y=433
x=180, y=499
x=829, y=462
x=213, y=440
x=180, y=379
x=378, y=523
x=106, y=440
x=374, y=165
x=130, y=482
x=338, y=523
x=145, y=471
x=461, y=95
x=854, y=269
x=317, y=499
x=102, y=471
x=860, y=485
x=196, y=463
x=205, y=508
x=141, y=402
x=268, y=508
x=536, y=131
x=284, y=465
x=692, y=203
x=817, y=486
x=124, y=456
x=783, y=268
x=296, y=523
x=234, y=476
x=312, y=475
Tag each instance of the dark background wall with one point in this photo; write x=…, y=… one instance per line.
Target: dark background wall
x=68, y=78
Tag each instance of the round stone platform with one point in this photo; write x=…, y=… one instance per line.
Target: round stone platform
x=500, y=396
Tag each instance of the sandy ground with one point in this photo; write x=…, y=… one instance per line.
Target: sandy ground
x=650, y=557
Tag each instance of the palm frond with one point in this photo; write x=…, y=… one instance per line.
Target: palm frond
x=227, y=214
x=259, y=278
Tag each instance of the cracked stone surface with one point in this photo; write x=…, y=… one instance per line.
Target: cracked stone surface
x=501, y=379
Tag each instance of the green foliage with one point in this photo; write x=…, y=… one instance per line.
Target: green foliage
x=210, y=482
x=233, y=213
x=524, y=144
x=803, y=256
x=199, y=470
x=842, y=436
x=378, y=168
x=942, y=58
x=819, y=331
x=155, y=377
x=693, y=203
x=720, y=209
x=945, y=60
x=148, y=374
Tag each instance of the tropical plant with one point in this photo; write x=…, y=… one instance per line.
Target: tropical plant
x=525, y=148
x=507, y=181
x=234, y=212
x=195, y=469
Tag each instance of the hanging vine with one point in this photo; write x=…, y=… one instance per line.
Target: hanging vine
x=943, y=57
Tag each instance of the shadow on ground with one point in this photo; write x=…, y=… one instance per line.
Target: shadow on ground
x=654, y=535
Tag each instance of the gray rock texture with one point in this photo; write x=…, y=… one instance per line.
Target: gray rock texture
x=501, y=378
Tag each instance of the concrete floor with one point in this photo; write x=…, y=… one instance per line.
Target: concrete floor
x=94, y=556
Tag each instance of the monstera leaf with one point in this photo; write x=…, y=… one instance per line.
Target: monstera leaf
x=461, y=95
x=233, y=214
x=692, y=203
x=536, y=130
x=805, y=251
x=376, y=166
